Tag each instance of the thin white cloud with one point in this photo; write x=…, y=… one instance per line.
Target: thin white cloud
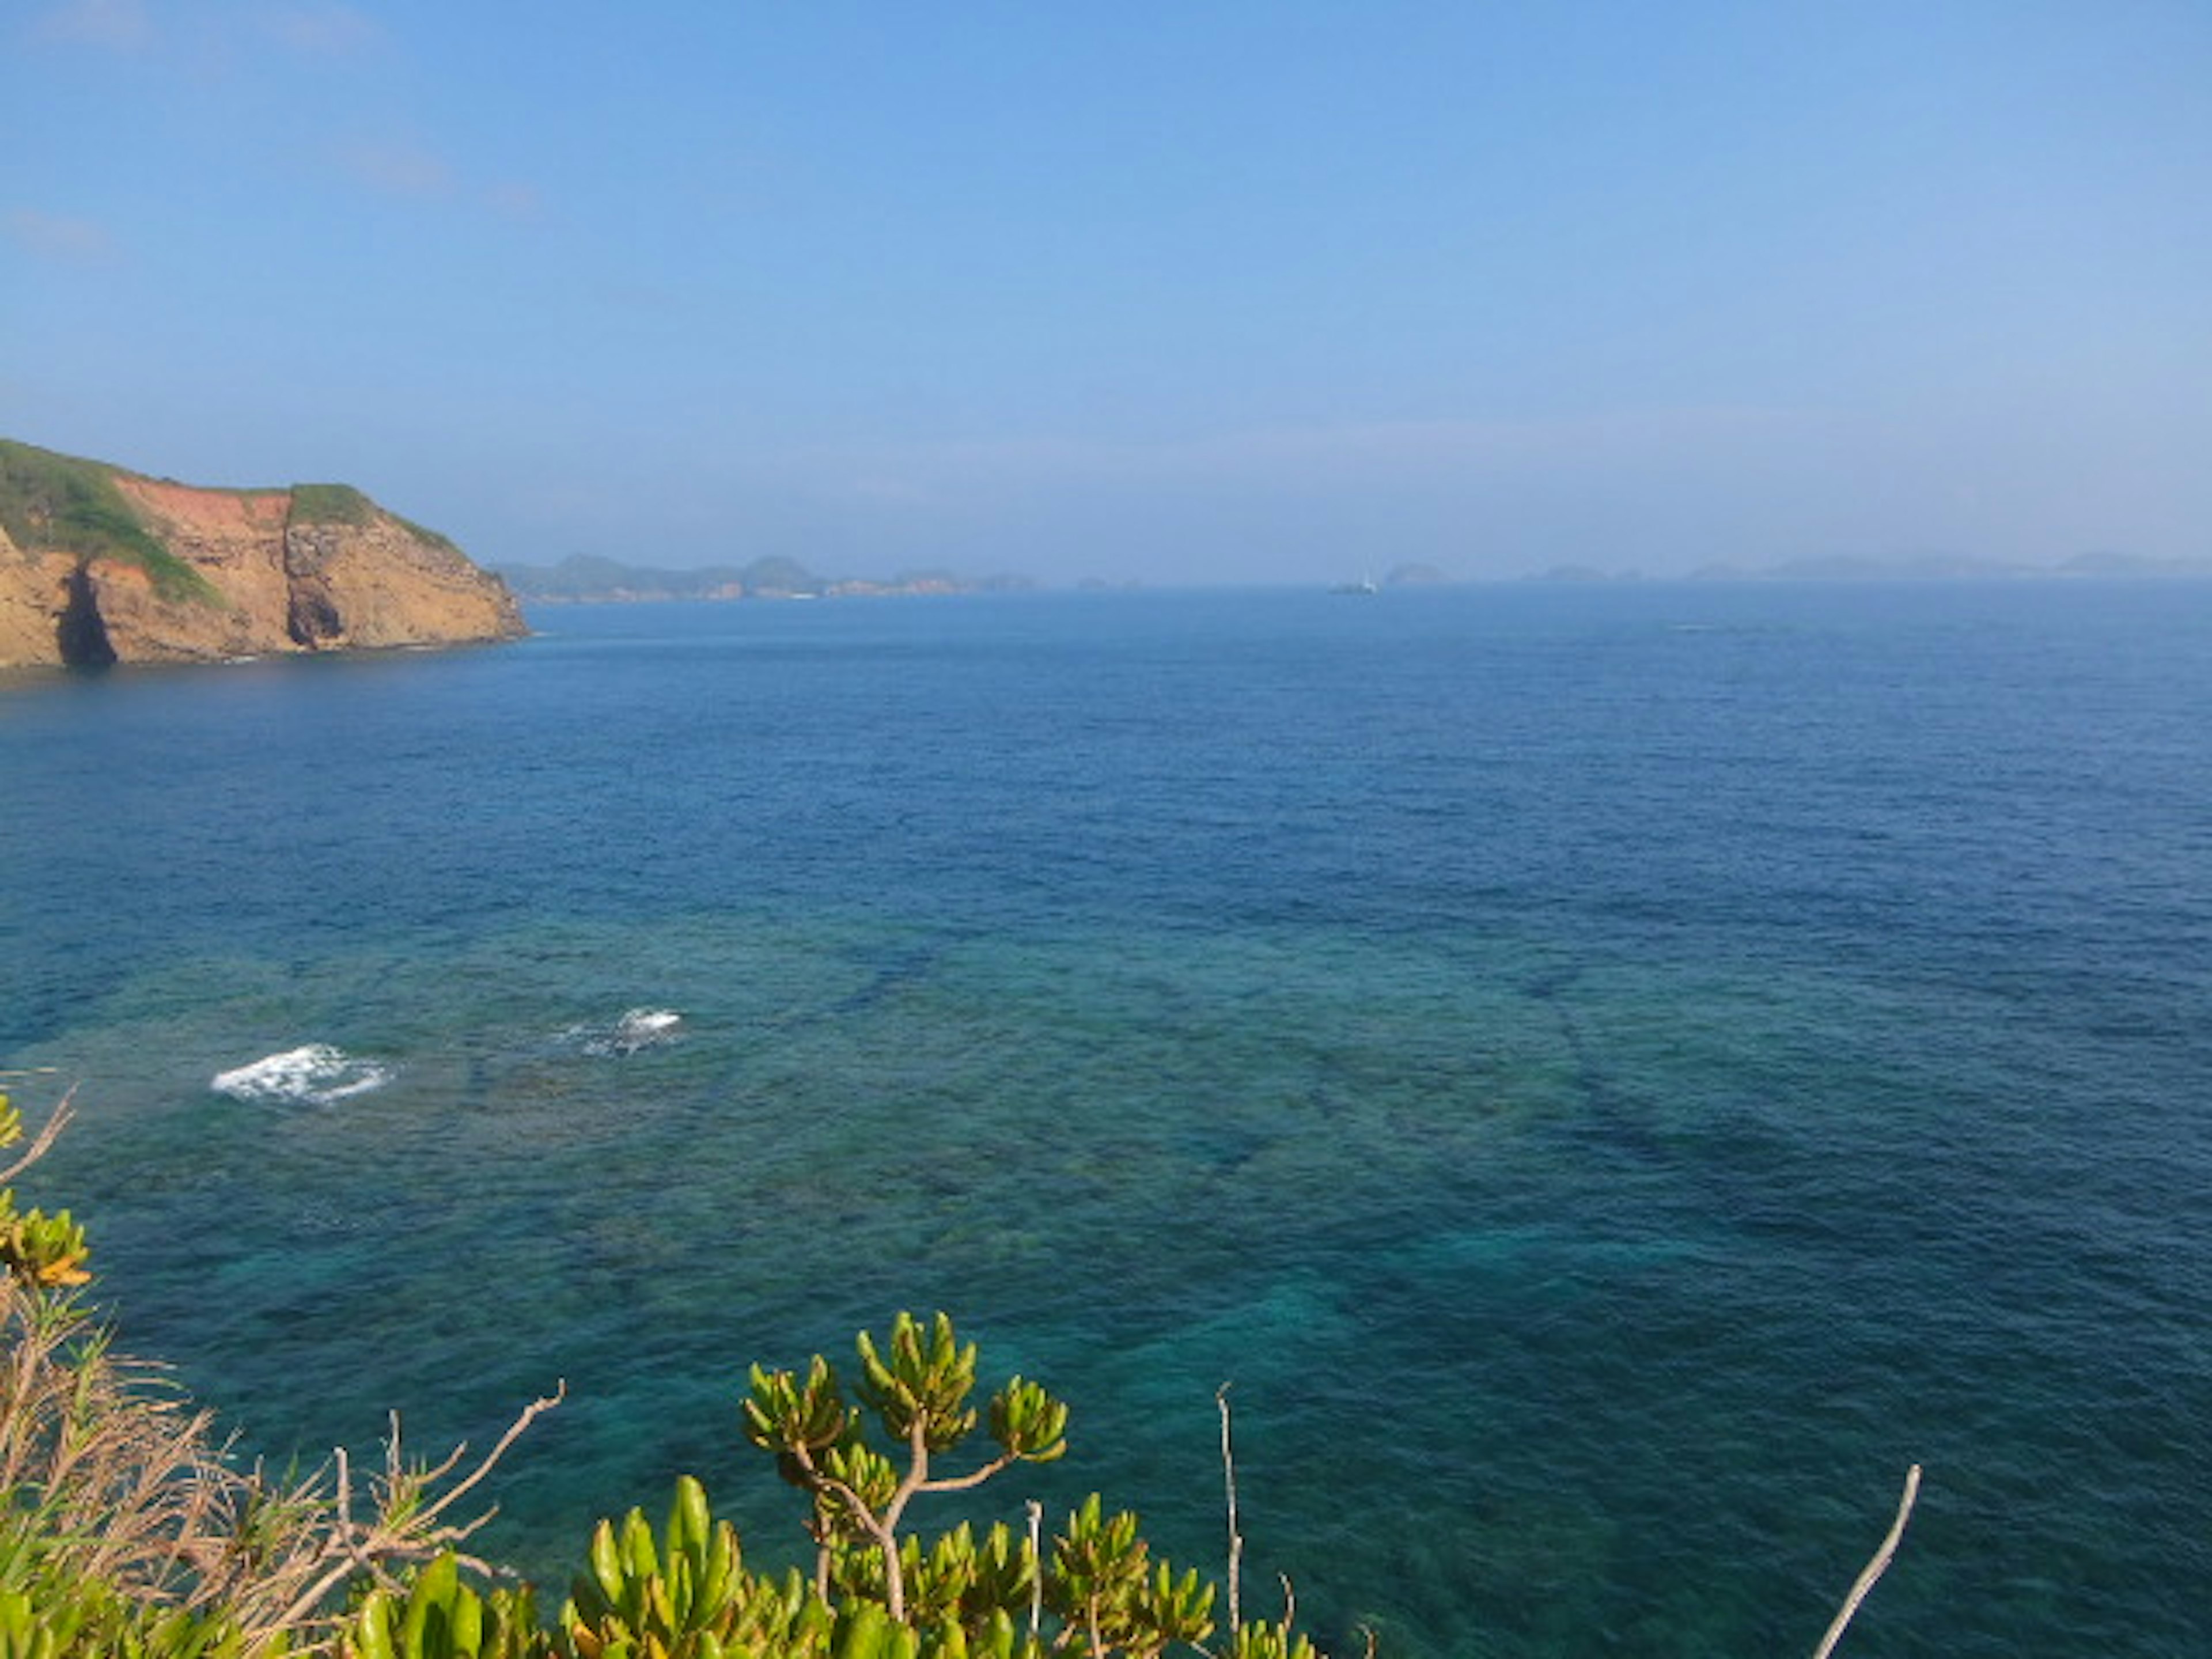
x=115, y=25
x=515, y=201
x=406, y=168
x=322, y=28
x=400, y=164
x=62, y=239
x=309, y=28
x=400, y=168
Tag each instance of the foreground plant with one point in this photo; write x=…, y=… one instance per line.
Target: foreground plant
x=126, y=1529
x=1098, y=1591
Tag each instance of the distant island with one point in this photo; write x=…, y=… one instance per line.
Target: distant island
x=1932, y=566
x=584, y=578
x=99, y=565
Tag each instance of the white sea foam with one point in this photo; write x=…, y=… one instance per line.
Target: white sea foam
x=640, y=1028
x=317, y=1074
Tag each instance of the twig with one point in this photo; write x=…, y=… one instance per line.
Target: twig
x=1228, y=1480
x=55, y=1121
x=1036, y=1564
x=967, y=1482
x=1874, y=1568
x=350, y=1548
x=536, y=1409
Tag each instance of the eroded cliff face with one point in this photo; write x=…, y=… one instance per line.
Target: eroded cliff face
x=253, y=575
x=33, y=598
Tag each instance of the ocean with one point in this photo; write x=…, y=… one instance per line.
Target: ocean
x=1610, y=1076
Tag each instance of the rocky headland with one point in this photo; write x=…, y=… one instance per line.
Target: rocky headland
x=100, y=565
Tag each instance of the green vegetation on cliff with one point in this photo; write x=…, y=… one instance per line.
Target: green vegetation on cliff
x=330, y=503
x=59, y=501
x=341, y=504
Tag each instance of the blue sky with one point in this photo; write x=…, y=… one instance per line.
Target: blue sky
x=1230, y=292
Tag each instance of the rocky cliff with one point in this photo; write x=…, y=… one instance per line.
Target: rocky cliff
x=99, y=565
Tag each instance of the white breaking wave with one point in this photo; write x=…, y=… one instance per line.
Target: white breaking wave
x=640, y=1028
x=315, y=1075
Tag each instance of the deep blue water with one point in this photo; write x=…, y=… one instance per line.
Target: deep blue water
x=1612, y=1075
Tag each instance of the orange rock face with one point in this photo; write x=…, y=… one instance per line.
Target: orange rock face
x=267, y=583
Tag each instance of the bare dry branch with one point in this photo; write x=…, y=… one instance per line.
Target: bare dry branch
x=1235, y=1538
x=529, y=1415
x=56, y=1121
x=1036, y=1564
x=1874, y=1568
x=398, y=1531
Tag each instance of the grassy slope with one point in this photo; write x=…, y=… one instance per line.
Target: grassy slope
x=337, y=503
x=50, y=500
x=329, y=503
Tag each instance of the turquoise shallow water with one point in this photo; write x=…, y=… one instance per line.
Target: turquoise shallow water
x=1611, y=1076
